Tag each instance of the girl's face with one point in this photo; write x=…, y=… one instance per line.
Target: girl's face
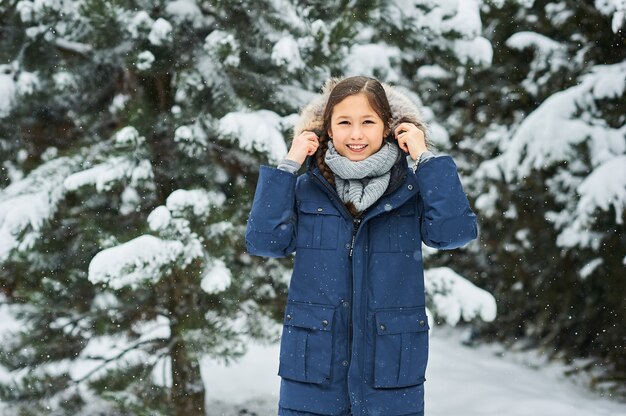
x=355, y=128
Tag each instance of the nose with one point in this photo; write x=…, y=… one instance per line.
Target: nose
x=357, y=132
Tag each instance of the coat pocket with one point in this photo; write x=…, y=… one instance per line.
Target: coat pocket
x=318, y=225
x=307, y=342
x=401, y=347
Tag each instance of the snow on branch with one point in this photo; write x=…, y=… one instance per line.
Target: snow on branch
x=454, y=297
x=76, y=47
x=604, y=188
x=145, y=259
x=436, y=19
x=374, y=59
x=286, y=53
x=116, y=168
x=27, y=204
x=258, y=130
x=217, y=277
x=551, y=133
x=549, y=57
x=614, y=8
x=148, y=259
x=106, y=353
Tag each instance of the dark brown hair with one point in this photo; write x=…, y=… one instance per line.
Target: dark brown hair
x=377, y=99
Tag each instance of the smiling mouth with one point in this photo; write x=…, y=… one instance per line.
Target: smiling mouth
x=356, y=147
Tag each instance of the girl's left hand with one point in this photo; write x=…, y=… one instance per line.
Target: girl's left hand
x=410, y=139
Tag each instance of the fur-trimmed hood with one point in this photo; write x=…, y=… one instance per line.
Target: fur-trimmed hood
x=402, y=108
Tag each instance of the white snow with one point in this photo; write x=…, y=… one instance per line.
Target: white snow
x=105, y=175
x=7, y=90
x=589, y=268
x=28, y=203
x=526, y=39
x=217, y=277
x=185, y=10
x=615, y=7
x=145, y=60
x=461, y=380
x=222, y=46
x=199, y=201
x=192, y=139
x=129, y=200
x=118, y=103
x=549, y=57
x=140, y=22
x=454, y=297
x=144, y=259
x=159, y=219
x=27, y=83
x=286, y=53
x=376, y=60
x=432, y=72
x=161, y=32
x=115, y=169
x=477, y=50
x=128, y=135
x=466, y=19
x=258, y=130
x=604, y=188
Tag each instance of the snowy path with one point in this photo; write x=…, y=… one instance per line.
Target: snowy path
x=461, y=381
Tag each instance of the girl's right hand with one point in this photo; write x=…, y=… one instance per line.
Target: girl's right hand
x=305, y=144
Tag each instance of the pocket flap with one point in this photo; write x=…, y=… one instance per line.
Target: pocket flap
x=401, y=320
x=318, y=207
x=309, y=315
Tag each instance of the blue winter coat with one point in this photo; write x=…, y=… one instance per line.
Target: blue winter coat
x=355, y=331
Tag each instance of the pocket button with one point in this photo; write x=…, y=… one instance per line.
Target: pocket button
x=382, y=327
x=422, y=323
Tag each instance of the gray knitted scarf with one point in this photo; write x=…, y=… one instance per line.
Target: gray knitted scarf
x=362, y=182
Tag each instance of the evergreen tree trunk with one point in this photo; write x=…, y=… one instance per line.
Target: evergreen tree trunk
x=187, y=387
x=187, y=392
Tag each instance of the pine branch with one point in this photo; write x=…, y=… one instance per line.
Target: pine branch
x=105, y=361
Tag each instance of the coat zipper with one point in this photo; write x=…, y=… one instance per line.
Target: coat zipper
x=356, y=222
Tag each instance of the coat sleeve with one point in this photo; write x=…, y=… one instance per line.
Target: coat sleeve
x=447, y=219
x=271, y=229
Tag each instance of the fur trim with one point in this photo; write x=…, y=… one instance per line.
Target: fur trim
x=311, y=116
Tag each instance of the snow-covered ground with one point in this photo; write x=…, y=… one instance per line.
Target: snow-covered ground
x=462, y=380
x=468, y=381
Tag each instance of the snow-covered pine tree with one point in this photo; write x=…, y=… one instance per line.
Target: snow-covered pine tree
x=131, y=133
x=554, y=192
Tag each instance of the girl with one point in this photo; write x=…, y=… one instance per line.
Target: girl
x=355, y=331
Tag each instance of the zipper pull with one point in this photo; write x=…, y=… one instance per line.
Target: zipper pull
x=351, y=246
x=356, y=223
